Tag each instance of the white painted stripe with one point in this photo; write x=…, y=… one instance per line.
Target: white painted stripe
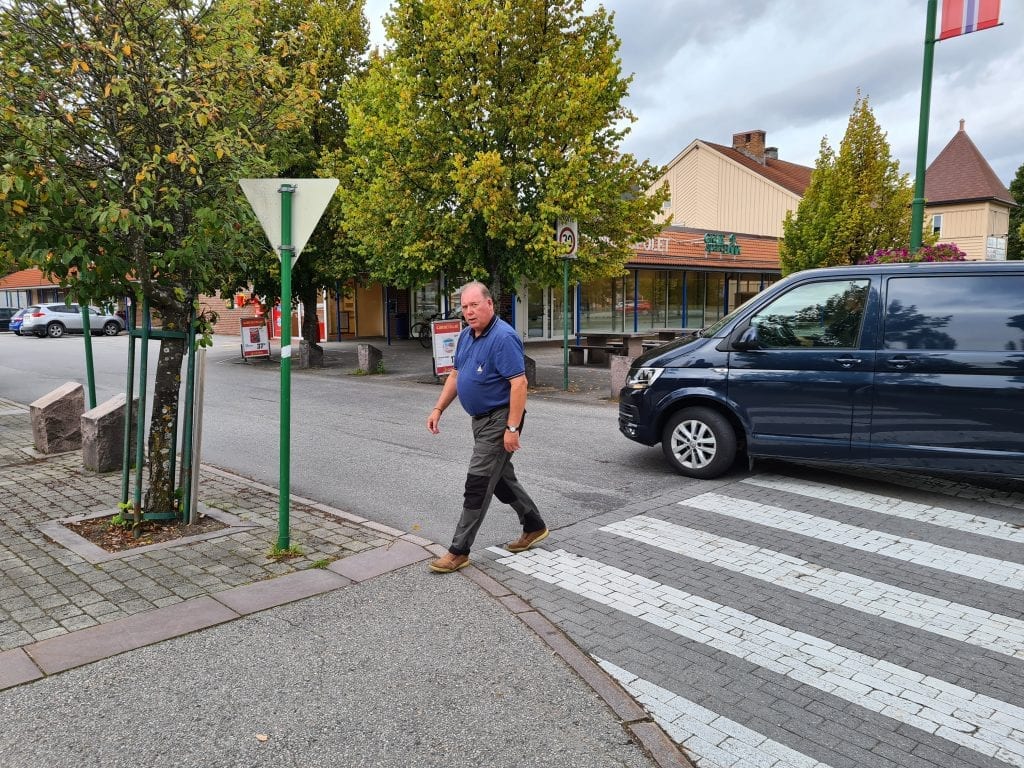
x=973, y=720
x=714, y=741
x=1002, y=634
x=1001, y=572
x=890, y=505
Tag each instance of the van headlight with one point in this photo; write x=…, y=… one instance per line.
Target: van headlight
x=642, y=378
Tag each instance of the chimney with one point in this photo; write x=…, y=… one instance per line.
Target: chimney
x=771, y=153
x=751, y=144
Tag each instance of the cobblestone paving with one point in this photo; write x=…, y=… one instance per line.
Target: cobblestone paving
x=803, y=619
x=48, y=590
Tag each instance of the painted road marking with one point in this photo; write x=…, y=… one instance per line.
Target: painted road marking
x=1002, y=634
x=716, y=741
x=890, y=505
x=982, y=723
x=1001, y=572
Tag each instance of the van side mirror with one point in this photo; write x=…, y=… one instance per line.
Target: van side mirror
x=747, y=339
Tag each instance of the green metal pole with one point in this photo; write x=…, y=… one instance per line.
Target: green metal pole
x=126, y=460
x=140, y=435
x=284, y=487
x=90, y=377
x=186, y=445
x=917, y=210
x=565, y=325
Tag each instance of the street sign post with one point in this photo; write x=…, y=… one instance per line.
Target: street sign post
x=567, y=234
x=288, y=234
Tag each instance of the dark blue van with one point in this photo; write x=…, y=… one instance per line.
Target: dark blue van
x=902, y=365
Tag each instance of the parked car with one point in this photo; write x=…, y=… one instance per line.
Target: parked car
x=640, y=305
x=6, y=314
x=15, y=322
x=54, y=320
x=914, y=366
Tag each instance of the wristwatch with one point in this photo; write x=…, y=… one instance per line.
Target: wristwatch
x=510, y=428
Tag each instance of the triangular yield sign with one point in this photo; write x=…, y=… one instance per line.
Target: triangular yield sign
x=309, y=201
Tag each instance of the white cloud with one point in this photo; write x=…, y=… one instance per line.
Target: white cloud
x=705, y=69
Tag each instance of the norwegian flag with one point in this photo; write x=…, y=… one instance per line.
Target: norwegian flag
x=959, y=17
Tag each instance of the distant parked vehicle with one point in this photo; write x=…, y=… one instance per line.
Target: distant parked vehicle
x=55, y=320
x=6, y=315
x=14, y=325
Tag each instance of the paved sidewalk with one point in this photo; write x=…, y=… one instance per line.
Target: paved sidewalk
x=207, y=652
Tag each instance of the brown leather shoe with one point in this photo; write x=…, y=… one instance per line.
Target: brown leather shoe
x=449, y=563
x=527, y=540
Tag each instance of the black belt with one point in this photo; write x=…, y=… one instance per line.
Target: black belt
x=491, y=412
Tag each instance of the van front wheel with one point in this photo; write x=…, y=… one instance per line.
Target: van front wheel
x=699, y=442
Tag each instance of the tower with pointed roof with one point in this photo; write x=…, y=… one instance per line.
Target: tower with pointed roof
x=965, y=202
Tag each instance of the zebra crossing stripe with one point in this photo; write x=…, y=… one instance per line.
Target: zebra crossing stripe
x=984, y=724
x=889, y=505
x=1001, y=572
x=716, y=741
x=1003, y=634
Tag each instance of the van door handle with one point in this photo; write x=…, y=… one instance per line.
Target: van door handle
x=848, y=362
x=901, y=362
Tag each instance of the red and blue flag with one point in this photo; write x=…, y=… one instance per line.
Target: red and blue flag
x=959, y=17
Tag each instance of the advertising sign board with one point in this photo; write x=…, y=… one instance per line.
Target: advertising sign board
x=445, y=334
x=254, y=338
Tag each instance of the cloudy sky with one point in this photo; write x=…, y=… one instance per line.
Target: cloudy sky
x=705, y=69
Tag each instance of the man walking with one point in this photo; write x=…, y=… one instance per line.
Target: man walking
x=490, y=381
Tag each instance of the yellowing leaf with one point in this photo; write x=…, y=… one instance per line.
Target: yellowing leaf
x=126, y=49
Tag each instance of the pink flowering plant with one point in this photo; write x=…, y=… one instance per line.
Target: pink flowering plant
x=937, y=252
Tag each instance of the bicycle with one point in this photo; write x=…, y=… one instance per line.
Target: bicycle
x=422, y=329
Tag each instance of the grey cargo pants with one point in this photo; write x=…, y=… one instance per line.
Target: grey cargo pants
x=491, y=474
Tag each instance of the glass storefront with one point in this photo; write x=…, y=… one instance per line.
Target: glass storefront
x=652, y=299
x=641, y=300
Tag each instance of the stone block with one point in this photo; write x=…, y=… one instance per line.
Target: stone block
x=369, y=357
x=57, y=419
x=619, y=370
x=531, y=371
x=103, y=434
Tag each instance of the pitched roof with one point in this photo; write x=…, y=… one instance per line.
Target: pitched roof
x=795, y=178
x=26, y=278
x=961, y=173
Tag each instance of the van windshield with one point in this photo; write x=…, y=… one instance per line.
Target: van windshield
x=716, y=326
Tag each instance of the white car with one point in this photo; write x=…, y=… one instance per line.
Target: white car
x=54, y=320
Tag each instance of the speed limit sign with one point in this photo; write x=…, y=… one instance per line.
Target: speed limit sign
x=566, y=234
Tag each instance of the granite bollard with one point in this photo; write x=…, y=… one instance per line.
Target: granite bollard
x=370, y=358
x=103, y=434
x=57, y=419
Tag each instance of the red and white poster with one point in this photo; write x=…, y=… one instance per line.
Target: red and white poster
x=254, y=338
x=446, y=337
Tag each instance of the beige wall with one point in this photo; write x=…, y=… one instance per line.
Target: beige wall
x=710, y=191
x=969, y=224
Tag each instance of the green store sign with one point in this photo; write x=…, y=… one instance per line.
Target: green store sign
x=715, y=243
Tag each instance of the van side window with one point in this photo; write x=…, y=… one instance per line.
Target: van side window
x=825, y=314
x=978, y=313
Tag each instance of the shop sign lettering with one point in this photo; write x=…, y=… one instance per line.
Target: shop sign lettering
x=716, y=243
x=657, y=244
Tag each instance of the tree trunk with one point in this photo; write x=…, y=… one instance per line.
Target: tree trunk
x=314, y=357
x=166, y=401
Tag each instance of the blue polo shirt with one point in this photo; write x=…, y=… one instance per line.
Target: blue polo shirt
x=486, y=364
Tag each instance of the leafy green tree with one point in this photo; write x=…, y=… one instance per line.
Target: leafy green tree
x=1015, y=236
x=857, y=201
x=326, y=42
x=479, y=126
x=124, y=127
